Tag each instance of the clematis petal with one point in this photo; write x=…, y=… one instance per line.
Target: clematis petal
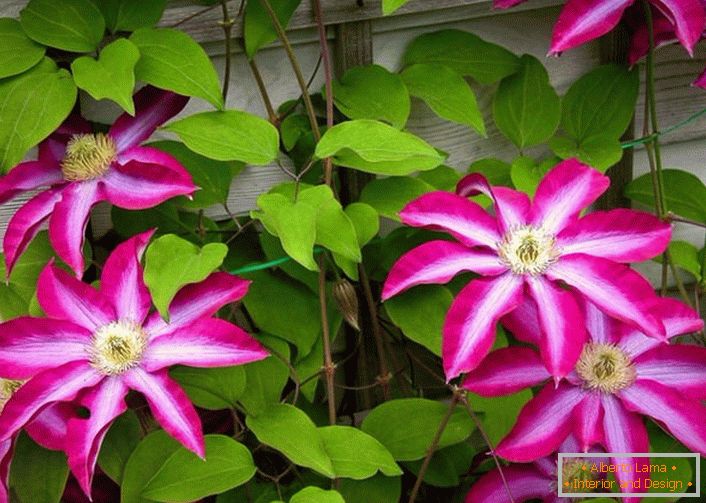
x=151, y=155
x=105, y=402
x=209, y=342
x=170, y=407
x=701, y=81
x=506, y=371
x=198, y=300
x=523, y=322
x=66, y=298
x=584, y=20
x=29, y=346
x=588, y=418
x=463, y=219
x=122, y=282
x=6, y=451
x=682, y=367
x=153, y=107
x=28, y=176
x=562, y=324
x=469, y=328
x=688, y=18
x=564, y=192
x=640, y=41
x=620, y=235
x=25, y=224
x=512, y=207
x=438, y=262
x=625, y=432
x=48, y=428
x=506, y=4
x=543, y=424
x=614, y=288
x=67, y=224
x=137, y=186
x=602, y=329
x=683, y=417
x=61, y=384
x=525, y=482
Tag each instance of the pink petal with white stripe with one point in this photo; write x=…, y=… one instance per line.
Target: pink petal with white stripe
x=701, y=81
x=64, y=297
x=506, y=4
x=25, y=224
x=29, y=346
x=437, y=262
x=523, y=322
x=620, y=235
x=105, y=402
x=682, y=367
x=151, y=155
x=67, y=224
x=683, y=417
x=602, y=329
x=469, y=328
x=564, y=192
x=584, y=20
x=543, y=424
x=153, y=107
x=588, y=416
x=525, y=483
x=205, y=343
x=463, y=219
x=506, y=371
x=170, y=407
x=122, y=282
x=512, y=207
x=6, y=451
x=28, y=176
x=614, y=288
x=688, y=18
x=48, y=428
x=562, y=325
x=664, y=34
x=61, y=384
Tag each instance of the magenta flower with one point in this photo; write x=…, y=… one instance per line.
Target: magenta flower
x=620, y=375
x=537, y=246
x=95, y=345
x=81, y=168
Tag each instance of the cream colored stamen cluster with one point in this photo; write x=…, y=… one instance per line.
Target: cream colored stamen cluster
x=117, y=347
x=605, y=367
x=88, y=156
x=573, y=469
x=528, y=250
x=7, y=389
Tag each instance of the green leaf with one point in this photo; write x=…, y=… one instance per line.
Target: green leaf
x=499, y=413
x=389, y=195
x=446, y=93
x=211, y=388
x=313, y=494
x=390, y=6
x=378, y=489
x=212, y=177
x=526, y=107
x=147, y=458
x=599, y=151
x=229, y=136
x=70, y=25
x=18, y=53
x=420, y=314
x=526, y=174
x=685, y=193
x=366, y=222
x=496, y=171
x=131, y=15
x=293, y=127
x=258, y=30
x=372, y=92
x=420, y=419
x=172, y=262
x=685, y=256
x=290, y=431
x=172, y=60
x=465, y=53
x=446, y=465
x=602, y=102
x=111, y=76
x=185, y=477
x=37, y=475
x=334, y=229
x=119, y=443
x=355, y=454
x=375, y=147
x=441, y=178
x=265, y=379
x=32, y=106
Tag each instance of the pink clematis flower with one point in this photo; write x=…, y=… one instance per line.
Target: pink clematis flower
x=95, y=345
x=535, y=246
x=81, y=168
x=620, y=375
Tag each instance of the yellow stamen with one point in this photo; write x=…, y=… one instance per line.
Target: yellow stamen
x=605, y=367
x=117, y=347
x=528, y=250
x=7, y=389
x=88, y=156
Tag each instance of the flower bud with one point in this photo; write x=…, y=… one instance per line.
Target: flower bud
x=347, y=300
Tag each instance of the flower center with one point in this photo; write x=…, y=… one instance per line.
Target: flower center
x=7, y=389
x=117, y=347
x=572, y=470
x=88, y=156
x=528, y=250
x=605, y=367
